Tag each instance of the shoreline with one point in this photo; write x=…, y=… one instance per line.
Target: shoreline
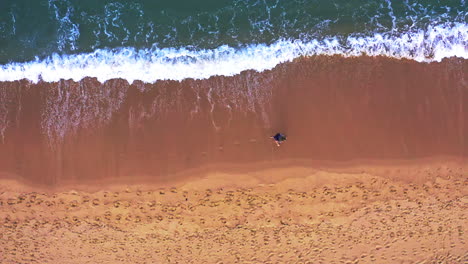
x=390, y=169
x=331, y=108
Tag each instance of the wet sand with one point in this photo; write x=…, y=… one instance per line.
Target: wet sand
x=331, y=108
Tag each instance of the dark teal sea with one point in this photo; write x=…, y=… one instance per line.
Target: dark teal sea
x=37, y=37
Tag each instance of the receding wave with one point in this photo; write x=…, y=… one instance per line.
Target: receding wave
x=150, y=65
x=332, y=108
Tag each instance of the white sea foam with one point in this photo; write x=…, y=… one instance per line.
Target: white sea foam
x=150, y=65
x=68, y=32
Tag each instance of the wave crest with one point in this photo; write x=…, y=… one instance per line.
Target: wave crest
x=150, y=65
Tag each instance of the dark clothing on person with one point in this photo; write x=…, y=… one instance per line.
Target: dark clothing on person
x=279, y=137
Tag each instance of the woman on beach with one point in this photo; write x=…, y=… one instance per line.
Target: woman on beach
x=279, y=138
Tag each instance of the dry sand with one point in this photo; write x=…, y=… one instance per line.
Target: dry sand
x=404, y=213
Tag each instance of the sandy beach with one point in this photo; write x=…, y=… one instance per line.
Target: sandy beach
x=332, y=109
x=143, y=132
x=374, y=169
x=412, y=212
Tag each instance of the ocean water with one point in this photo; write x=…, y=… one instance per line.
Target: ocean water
x=149, y=41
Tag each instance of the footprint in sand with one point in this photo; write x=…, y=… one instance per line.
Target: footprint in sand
x=73, y=204
x=107, y=215
x=96, y=202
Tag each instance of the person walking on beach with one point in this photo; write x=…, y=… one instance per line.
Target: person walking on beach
x=279, y=138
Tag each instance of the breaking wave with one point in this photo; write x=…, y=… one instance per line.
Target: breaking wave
x=150, y=65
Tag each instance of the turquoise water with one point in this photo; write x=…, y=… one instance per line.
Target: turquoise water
x=106, y=39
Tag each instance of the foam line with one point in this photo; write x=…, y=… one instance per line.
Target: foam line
x=150, y=65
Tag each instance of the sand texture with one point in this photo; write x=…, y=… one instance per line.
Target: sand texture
x=331, y=108
x=375, y=168
x=363, y=214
